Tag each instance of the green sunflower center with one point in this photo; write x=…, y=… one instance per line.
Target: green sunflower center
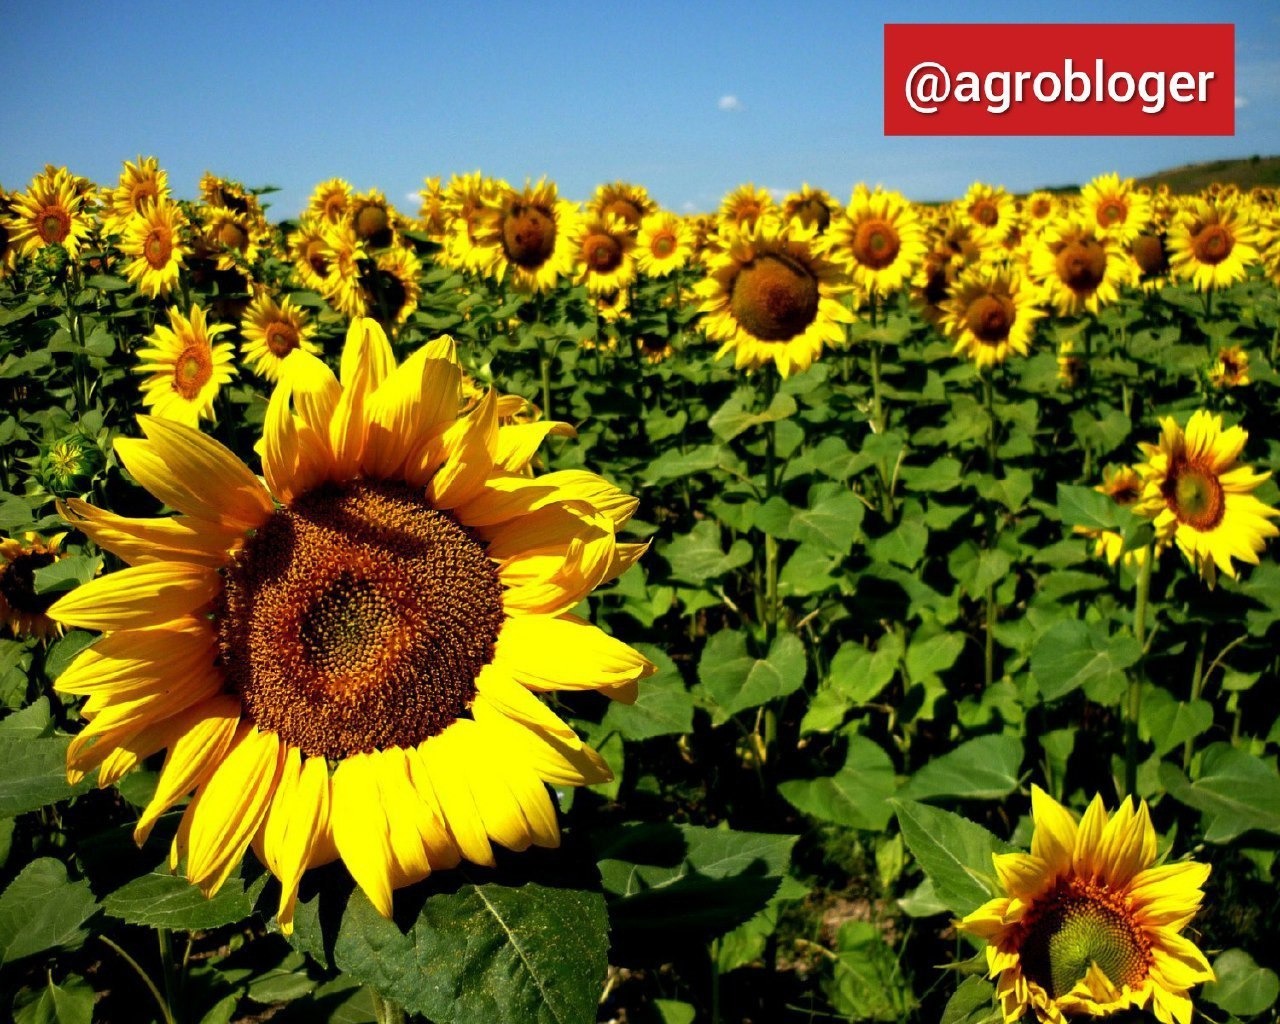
x=18, y=583
x=1082, y=265
x=1076, y=925
x=358, y=619
x=1194, y=494
x=876, y=244
x=528, y=236
x=602, y=253
x=990, y=318
x=53, y=224
x=1148, y=253
x=1212, y=244
x=775, y=297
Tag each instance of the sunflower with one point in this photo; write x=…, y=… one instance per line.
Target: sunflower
x=810, y=206
x=951, y=249
x=153, y=242
x=330, y=201
x=1079, y=268
x=989, y=212
x=654, y=348
x=664, y=244
x=50, y=212
x=879, y=240
x=229, y=195
x=466, y=199
x=1090, y=923
x=186, y=367
x=622, y=199
x=990, y=315
x=272, y=331
x=389, y=285
x=343, y=255
x=433, y=218
x=747, y=204
x=1151, y=257
x=1230, y=367
x=359, y=647
x=21, y=608
x=1072, y=368
x=373, y=218
x=527, y=237
x=1124, y=486
x=1212, y=243
x=771, y=297
x=1115, y=207
x=310, y=254
x=1038, y=211
x=141, y=184
x=1197, y=495
x=233, y=239
x=611, y=306
x=603, y=245
x=8, y=250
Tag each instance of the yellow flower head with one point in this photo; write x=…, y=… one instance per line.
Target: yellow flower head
x=879, y=240
x=664, y=244
x=272, y=331
x=990, y=315
x=1117, y=209
x=603, y=249
x=21, y=608
x=51, y=212
x=186, y=367
x=622, y=199
x=1230, y=367
x=1079, y=268
x=153, y=241
x=141, y=183
x=330, y=201
x=526, y=237
x=1212, y=243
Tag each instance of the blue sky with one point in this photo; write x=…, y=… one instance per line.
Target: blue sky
x=384, y=94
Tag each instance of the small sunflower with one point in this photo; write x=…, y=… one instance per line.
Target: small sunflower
x=51, y=212
x=654, y=348
x=772, y=297
x=603, y=245
x=389, y=285
x=747, y=204
x=229, y=195
x=1212, y=243
x=1230, y=367
x=526, y=237
x=611, y=306
x=989, y=212
x=272, y=331
x=1124, y=486
x=1072, y=368
x=141, y=183
x=1080, y=269
x=1200, y=497
x=186, y=368
x=1117, y=209
x=622, y=199
x=813, y=207
x=1038, y=211
x=1090, y=925
x=664, y=244
x=360, y=642
x=374, y=220
x=233, y=239
x=991, y=315
x=466, y=200
x=310, y=254
x=330, y=201
x=879, y=240
x=344, y=255
x=21, y=608
x=154, y=244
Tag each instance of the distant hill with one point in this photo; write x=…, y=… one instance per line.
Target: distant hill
x=1246, y=172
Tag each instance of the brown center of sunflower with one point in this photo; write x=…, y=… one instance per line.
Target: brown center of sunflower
x=663, y=245
x=158, y=247
x=875, y=244
x=1077, y=924
x=282, y=338
x=1148, y=253
x=774, y=297
x=625, y=209
x=1194, y=494
x=989, y=318
x=373, y=225
x=1212, y=244
x=1229, y=365
x=233, y=236
x=358, y=619
x=191, y=371
x=18, y=583
x=1111, y=212
x=142, y=191
x=1041, y=208
x=53, y=224
x=601, y=252
x=317, y=256
x=1082, y=265
x=528, y=236
x=985, y=212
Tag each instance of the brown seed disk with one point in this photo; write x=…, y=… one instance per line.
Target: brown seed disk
x=876, y=244
x=358, y=619
x=774, y=297
x=1082, y=265
x=528, y=236
x=1148, y=252
x=1212, y=244
x=54, y=224
x=990, y=317
x=158, y=247
x=282, y=338
x=1194, y=494
x=601, y=252
x=191, y=371
x=18, y=583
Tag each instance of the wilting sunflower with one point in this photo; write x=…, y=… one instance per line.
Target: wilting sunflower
x=1230, y=367
x=1117, y=209
x=603, y=247
x=21, y=608
x=186, y=367
x=330, y=201
x=1212, y=243
x=1124, y=486
x=272, y=331
x=1090, y=923
x=991, y=315
x=879, y=240
x=989, y=212
x=1079, y=268
x=811, y=206
x=141, y=184
x=359, y=648
x=771, y=297
x=663, y=245
x=526, y=237
x=622, y=199
x=747, y=204
x=155, y=247
x=1197, y=495
x=50, y=212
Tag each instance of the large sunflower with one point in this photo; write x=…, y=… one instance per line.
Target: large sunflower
x=526, y=237
x=1090, y=923
x=21, y=608
x=1199, y=496
x=359, y=647
x=50, y=212
x=1080, y=268
x=153, y=242
x=1212, y=243
x=186, y=368
x=879, y=239
x=990, y=315
x=272, y=331
x=771, y=297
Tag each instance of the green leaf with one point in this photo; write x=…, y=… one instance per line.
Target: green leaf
x=734, y=417
x=1242, y=987
x=953, y=852
x=859, y=674
x=35, y=762
x=905, y=544
x=1072, y=654
x=697, y=556
x=985, y=768
x=747, y=943
x=66, y=574
x=731, y=680
x=42, y=910
x=928, y=656
x=663, y=706
x=976, y=569
x=162, y=900
x=832, y=523
x=64, y=650
x=857, y=795
x=1083, y=506
x=972, y=1003
x=1168, y=723
x=1236, y=792
x=68, y=1003
x=523, y=954
x=867, y=983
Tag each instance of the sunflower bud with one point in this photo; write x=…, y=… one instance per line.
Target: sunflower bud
x=68, y=464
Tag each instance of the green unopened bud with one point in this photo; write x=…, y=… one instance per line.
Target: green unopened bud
x=68, y=465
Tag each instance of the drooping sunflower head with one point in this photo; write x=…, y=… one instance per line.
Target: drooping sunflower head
x=1199, y=496
x=1079, y=269
x=345, y=258
x=186, y=367
x=51, y=212
x=665, y=244
x=1150, y=255
x=990, y=315
x=1089, y=924
x=813, y=207
x=1212, y=243
x=330, y=201
x=654, y=348
x=1230, y=367
x=1073, y=370
x=747, y=204
x=622, y=199
x=140, y=184
x=526, y=237
x=879, y=240
x=950, y=249
x=1117, y=209
x=772, y=297
x=389, y=285
x=309, y=253
x=272, y=330
x=22, y=609
x=604, y=252
x=374, y=220
x=361, y=646
x=155, y=244
x=229, y=195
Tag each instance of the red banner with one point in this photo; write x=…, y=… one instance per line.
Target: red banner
x=1059, y=79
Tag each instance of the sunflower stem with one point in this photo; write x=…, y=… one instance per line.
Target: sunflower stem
x=992, y=611
x=770, y=542
x=1139, y=674
x=165, y=1012
x=1197, y=687
x=385, y=1011
x=715, y=981
x=165, y=938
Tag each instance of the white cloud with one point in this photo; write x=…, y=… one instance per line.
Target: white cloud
x=1241, y=103
x=414, y=198
x=729, y=102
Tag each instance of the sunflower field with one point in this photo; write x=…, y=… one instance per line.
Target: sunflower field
x=528, y=611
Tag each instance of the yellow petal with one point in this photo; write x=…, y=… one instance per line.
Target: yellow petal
x=130, y=659
x=565, y=653
x=551, y=758
x=467, y=449
x=415, y=400
x=1054, y=837
x=448, y=759
x=143, y=595
x=295, y=825
x=360, y=829
x=500, y=688
x=518, y=443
